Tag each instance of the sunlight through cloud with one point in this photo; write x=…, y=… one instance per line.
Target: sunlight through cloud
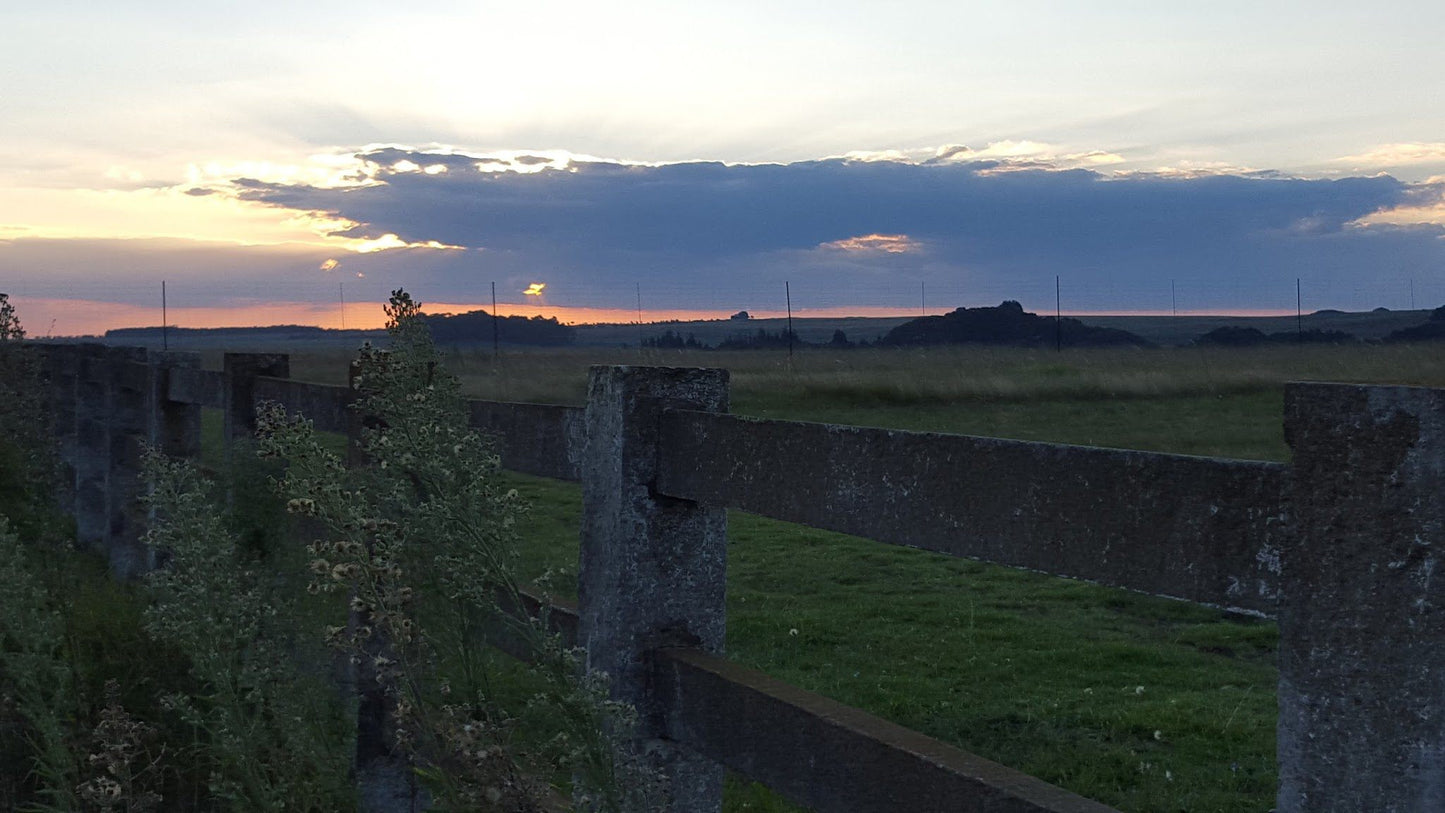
x=885, y=243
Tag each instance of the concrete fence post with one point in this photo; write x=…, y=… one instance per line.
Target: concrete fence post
x=91, y=462
x=240, y=371
x=132, y=403
x=175, y=426
x=652, y=568
x=61, y=365
x=104, y=402
x=1362, y=616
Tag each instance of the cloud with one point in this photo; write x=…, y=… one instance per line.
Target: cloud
x=707, y=209
x=1398, y=155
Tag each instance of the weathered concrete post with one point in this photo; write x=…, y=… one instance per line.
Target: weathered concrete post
x=131, y=405
x=1362, y=618
x=176, y=426
x=241, y=370
x=61, y=365
x=652, y=568
x=91, y=458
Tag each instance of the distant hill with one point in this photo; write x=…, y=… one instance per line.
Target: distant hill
x=1006, y=324
x=1432, y=329
x=475, y=327
x=1187, y=328
x=1232, y=336
x=280, y=331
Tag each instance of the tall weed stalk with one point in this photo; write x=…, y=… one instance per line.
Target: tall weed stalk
x=422, y=541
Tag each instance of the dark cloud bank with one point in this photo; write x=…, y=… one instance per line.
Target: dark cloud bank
x=700, y=231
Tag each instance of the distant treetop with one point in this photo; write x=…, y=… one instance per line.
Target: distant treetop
x=476, y=326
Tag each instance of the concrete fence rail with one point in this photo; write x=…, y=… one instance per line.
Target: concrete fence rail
x=540, y=439
x=203, y=388
x=327, y=407
x=1200, y=529
x=1341, y=546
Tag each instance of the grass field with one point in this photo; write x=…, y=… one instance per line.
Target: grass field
x=1212, y=401
x=1145, y=704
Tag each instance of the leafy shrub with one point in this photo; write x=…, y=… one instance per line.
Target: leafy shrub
x=28, y=466
x=35, y=675
x=269, y=736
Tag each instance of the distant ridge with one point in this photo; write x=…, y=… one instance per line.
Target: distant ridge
x=1433, y=329
x=1007, y=324
x=1231, y=336
x=473, y=327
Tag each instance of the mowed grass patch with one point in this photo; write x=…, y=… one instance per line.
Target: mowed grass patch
x=1142, y=703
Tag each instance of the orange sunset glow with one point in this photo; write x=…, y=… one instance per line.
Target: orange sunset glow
x=886, y=243
x=79, y=317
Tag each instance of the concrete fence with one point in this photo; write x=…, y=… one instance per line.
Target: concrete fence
x=1340, y=547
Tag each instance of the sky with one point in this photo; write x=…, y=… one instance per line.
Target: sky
x=293, y=163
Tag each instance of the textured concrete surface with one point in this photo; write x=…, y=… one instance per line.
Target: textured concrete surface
x=107, y=404
x=652, y=569
x=132, y=427
x=1195, y=528
x=177, y=424
x=241, y=371
x=540, y=439
x=327, y=406
x=206, y=388
x=92, y=448
x=1362, y=645
x=60, y=367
